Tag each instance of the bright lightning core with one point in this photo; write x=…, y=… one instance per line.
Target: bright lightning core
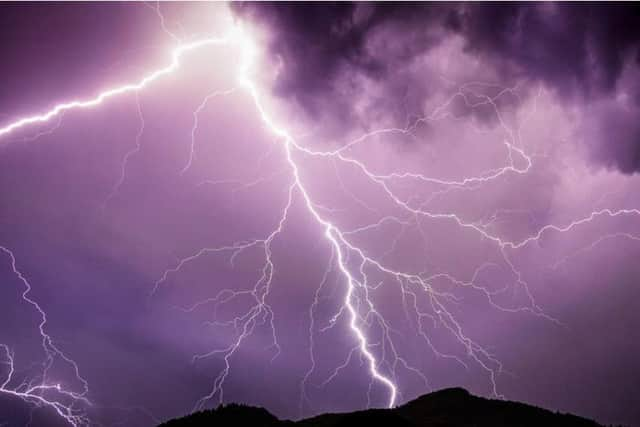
x=429, y=295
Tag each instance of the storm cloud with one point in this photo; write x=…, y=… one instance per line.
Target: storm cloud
x=578, y=51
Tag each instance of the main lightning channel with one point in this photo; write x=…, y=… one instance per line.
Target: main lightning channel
x=331, y=232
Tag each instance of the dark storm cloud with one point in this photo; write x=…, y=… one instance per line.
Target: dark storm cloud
x=615, y=138
x=319, y=42
x=579, y=51
x=572, y=48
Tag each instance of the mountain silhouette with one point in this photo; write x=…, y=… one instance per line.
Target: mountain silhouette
x=453, y=407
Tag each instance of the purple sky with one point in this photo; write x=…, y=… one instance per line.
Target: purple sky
x=477, y=167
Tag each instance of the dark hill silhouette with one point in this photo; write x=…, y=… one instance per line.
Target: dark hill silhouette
x=453, y=407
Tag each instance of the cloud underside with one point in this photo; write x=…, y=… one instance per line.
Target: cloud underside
x=587, y=55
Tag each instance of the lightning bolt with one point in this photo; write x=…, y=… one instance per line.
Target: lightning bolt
x=196, y=115
x=125, y=161
x=40, y=391
x=176, y=56
x=331, y=232
x=422, y=299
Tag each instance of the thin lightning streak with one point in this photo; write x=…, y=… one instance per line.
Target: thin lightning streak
x=37, y=392
x=340, y=367
x=194, y=128
x=592, y=245
x=162, y=19
x=49, y=131
x=125, y=161
x=316, y=300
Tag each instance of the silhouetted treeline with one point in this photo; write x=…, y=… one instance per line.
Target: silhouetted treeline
x=453, y=407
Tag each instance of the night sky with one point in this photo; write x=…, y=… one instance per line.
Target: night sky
x=317, y=208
